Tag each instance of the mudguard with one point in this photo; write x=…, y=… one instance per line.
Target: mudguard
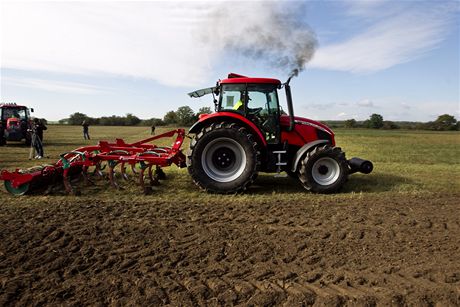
x=299, y=154
x=225, y=116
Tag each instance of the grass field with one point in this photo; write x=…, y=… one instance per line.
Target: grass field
x=390, y=237
x=406, y=162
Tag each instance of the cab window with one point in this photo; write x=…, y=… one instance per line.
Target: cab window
x=232, y=97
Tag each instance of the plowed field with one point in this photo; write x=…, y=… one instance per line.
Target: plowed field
x=365, y=251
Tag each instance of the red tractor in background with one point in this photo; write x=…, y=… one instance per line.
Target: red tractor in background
x=15, y=123
x=249, y=133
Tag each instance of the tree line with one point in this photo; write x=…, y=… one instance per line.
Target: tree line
x=444, y=122
x=185, y=116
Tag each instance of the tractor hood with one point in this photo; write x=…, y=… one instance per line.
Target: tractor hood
x=285, y=121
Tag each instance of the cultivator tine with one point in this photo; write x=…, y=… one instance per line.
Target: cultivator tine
x=159, y=174
x=133, y=168
x=113, y=183
x=68, y=187
x=85, y=176
x=146, y=189
x=98, y=170
x=123, y=172
x=153, y=180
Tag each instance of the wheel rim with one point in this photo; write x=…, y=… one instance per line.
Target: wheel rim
x=223, y=160
x=326, y=171
x=21, y=190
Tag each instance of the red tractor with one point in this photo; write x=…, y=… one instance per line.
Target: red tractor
x=249, y=133
x=15, y=123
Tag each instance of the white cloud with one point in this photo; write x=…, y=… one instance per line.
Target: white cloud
x=341, y=114
x=405, y=105
x=367, y=103
x=152, y=40
x=54, y=86
x=389, y=41
x=174, y=43
x=161, y=41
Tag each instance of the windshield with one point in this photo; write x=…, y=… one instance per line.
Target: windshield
x=13, y=112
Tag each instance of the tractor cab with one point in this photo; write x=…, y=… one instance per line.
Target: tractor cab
x=256, y=100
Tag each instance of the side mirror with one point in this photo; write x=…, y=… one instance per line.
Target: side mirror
x=32, y=110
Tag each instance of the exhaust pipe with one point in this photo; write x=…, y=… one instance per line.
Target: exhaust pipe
x=360, y=165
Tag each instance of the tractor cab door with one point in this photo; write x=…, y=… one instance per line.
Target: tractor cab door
x=262, y=108
x=258, y=103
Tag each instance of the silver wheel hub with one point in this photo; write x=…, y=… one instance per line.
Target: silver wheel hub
x=326, y=171
x=223, y=159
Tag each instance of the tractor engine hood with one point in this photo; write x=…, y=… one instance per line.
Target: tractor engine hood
x=285, y=121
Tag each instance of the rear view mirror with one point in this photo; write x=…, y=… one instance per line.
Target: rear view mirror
x=32, y=110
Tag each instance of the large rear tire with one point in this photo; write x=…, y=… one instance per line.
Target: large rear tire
x=223, y=158
x=324, y=170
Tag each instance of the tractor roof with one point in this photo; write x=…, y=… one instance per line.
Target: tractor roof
x=232, y=79
x=11, y=105
x=236, y=78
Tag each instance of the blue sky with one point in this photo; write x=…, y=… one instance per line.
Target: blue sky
x=396, y=58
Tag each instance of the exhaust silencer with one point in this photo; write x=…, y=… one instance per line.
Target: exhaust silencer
x=360, y=165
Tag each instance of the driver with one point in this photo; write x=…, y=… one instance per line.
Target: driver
x=239, y=106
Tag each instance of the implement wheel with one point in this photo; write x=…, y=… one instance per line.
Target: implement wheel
x=21, y=190
x=223, y=158
x=324, y=170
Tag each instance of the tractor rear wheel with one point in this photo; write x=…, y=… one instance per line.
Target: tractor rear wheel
x=324, y=170
x=223, y=158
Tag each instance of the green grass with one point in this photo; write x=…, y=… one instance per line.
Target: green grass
x=406, y=163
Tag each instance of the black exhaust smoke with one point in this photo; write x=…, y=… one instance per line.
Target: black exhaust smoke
x=275, y=33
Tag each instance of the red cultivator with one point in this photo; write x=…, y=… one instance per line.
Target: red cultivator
x=77, y=163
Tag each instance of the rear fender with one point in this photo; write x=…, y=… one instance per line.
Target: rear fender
x=299, y=154
x=229, y=117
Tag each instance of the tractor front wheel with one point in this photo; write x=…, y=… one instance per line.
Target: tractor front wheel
x=223, y=158
x=324, y=170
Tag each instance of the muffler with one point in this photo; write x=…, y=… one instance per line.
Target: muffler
x=360, y=165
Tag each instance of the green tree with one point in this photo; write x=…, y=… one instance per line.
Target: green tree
x=153, y=121
x=77, y=118
x=204, y=110
x=389, y=125
x=170, y=118
x=445, y=122
x=375, y=121
x=350, y=123
x=185, y=116
x=132, y=120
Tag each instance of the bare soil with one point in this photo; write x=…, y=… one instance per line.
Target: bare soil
x=373, y=250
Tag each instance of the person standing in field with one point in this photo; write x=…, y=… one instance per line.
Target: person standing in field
x=39, y=126
x=85, y=130
x=152, y=132
x=37, y=145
